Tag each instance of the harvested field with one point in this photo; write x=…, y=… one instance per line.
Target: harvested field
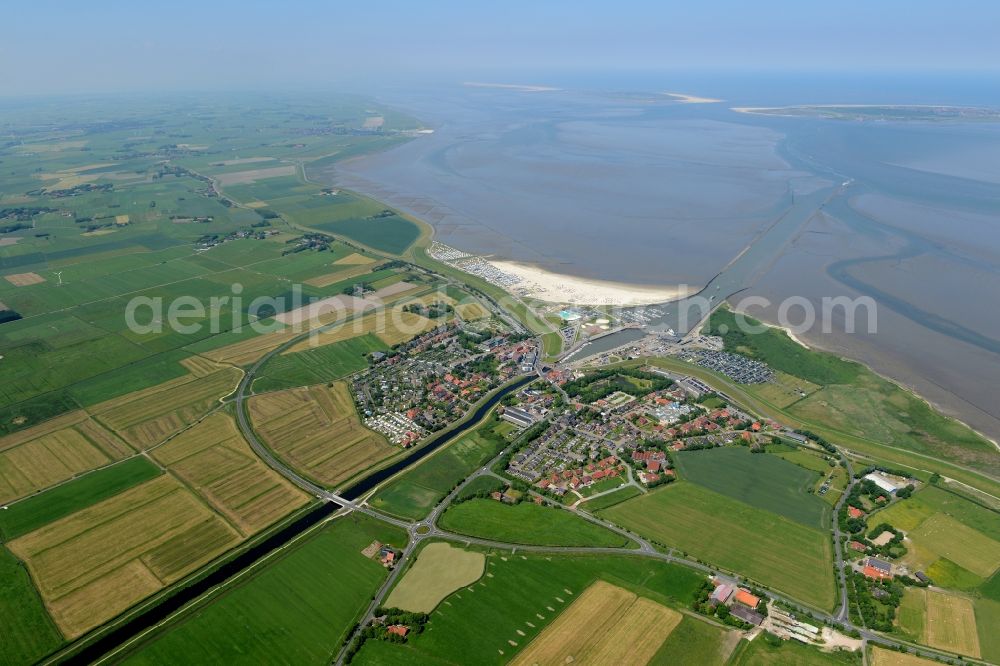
x=391, y=327
x=966, y=547
x=623, y=619
x=53, y=452
x=95, y=563
x=216, y=461
x=354, y=259
x=252, y=176
x=471, y=311
x=147, y=417
x=882, y=657
x=951, y=624
x=317, y=430
x=251, y=350
x=24, y=279
x=121, y=219
x=347, y=271
x=440, y=569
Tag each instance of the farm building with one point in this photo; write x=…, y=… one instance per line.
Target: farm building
x=883, y=482
x=747, y=615
x=721, y=594
x=744, y=597
x=878, y=569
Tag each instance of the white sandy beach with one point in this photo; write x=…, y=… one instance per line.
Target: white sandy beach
x=545, y=285
x=692, y=99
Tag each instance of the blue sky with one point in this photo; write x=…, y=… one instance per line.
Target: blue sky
x=51, y=46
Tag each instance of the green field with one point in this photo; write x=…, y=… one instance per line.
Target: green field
x=31, y=513
x=987, y=621
x=759, y=479
x=28, y=633
x=519, y=595
x=315, y=366
x=695, y=641
x=296, y=609
x=808, y=459
x=392, y=234
x=417, y=491
x=912, y=613
x=789, y=653
x=604, y=501
x=765, y=546
x=526, y=523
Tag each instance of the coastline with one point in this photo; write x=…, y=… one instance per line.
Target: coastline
x=544, y=285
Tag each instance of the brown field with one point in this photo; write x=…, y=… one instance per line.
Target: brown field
x=951, y=624
x=252, y=176
x=95, y=563
x=10, y=240
x=147, y=417
x=249, y=351
x=391, y=326
x=354, y=259
x=598, y=626
x=53, y=452
x=345, y=272
x=24, y=279
x=882, y=657
x=317, y=430
x=121, y=219
x=215, y=460
x=471, y=311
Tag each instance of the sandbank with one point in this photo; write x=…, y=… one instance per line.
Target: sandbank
x=692, y=99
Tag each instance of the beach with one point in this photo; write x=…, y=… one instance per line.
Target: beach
x=545, y=285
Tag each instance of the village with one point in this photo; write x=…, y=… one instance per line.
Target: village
x=427, y=383
x=597, y=445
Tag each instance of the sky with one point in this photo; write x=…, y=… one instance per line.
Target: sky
x=52, y=46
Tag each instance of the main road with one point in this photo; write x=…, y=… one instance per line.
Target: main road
x=428, y=528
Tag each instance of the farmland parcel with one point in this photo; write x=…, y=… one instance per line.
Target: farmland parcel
x=763, y=545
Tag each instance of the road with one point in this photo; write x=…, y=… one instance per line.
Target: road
x=428, y=529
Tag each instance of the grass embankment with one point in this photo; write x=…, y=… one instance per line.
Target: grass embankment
x=855, y=401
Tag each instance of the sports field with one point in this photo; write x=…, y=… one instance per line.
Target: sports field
x=526, y=523
x=759, y=479
x=417, y=491
x=213, y=458
x=518, y=597
x=317, y=431
x=95, y=563
x=596, y=626
x=295, y=609
x=439, y=570
x=760, y=544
